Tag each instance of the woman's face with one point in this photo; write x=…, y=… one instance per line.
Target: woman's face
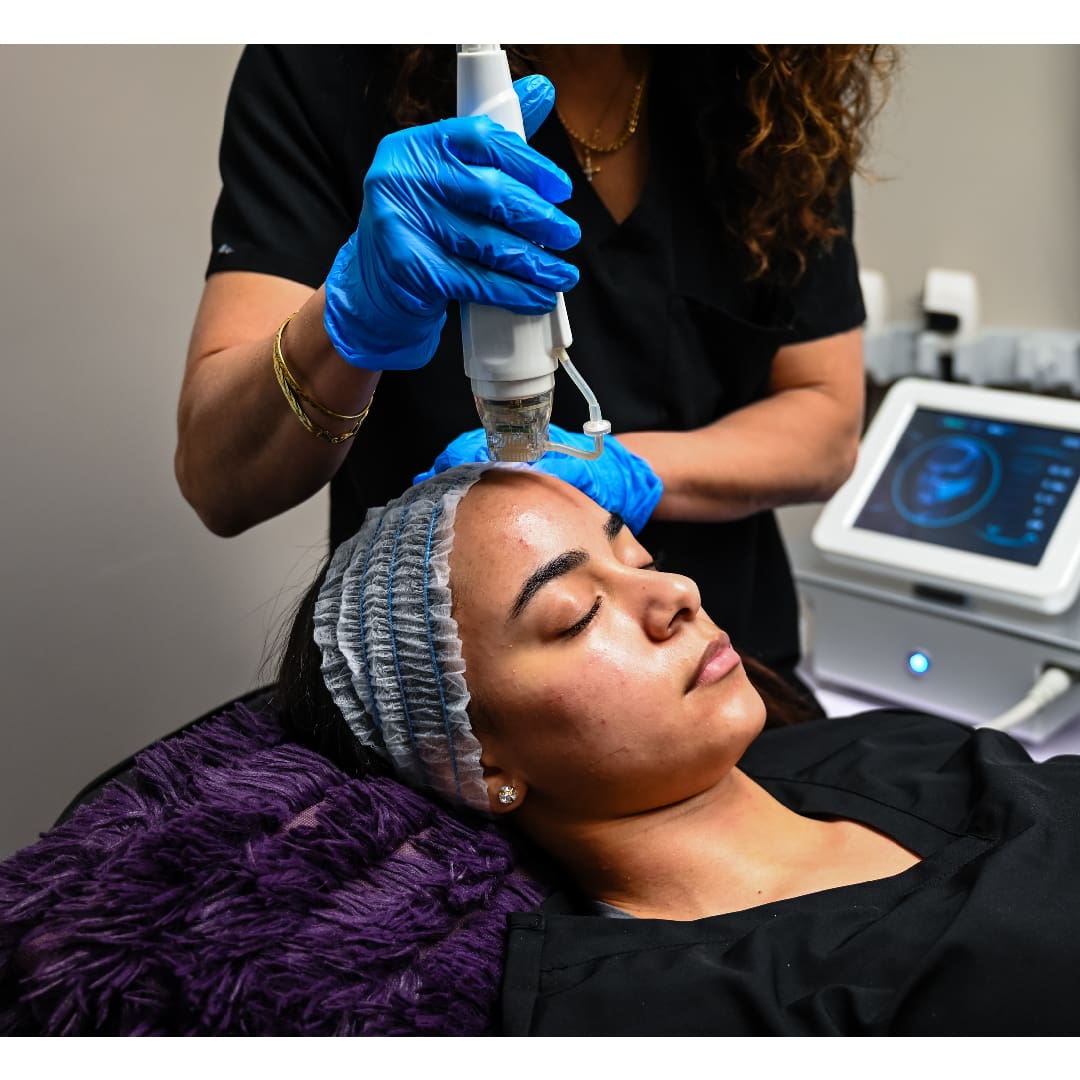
x=599, y=686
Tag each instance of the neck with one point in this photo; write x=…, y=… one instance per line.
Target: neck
x=729, y=848
x=592, y=66
x=599, y=93
x=589, y=78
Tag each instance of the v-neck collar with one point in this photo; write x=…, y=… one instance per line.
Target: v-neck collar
x=585, y=206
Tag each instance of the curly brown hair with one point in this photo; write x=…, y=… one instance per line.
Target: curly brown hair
x=806, y=110
x=811, y=105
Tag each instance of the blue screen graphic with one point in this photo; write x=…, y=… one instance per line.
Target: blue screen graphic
x=990, y=487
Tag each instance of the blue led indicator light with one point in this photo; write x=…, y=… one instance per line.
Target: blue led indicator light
x=918, y=663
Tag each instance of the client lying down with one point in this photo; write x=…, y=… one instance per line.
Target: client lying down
x=499, y=643
x=498, y=637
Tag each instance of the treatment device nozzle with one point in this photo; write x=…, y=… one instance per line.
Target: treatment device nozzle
x=511, y=359
x=517, y=427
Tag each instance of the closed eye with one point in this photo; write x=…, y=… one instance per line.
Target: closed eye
x=573, y=631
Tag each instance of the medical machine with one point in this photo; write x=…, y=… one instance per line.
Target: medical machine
x=944, y=574
x=511, y=359
x=950, y=303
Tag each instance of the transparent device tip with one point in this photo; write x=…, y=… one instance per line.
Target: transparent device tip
x=516, y=429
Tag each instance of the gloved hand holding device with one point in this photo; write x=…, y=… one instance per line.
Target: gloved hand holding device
x=461, y=209
x=618, y=479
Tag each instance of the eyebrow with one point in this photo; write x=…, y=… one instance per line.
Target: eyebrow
x=561, y=564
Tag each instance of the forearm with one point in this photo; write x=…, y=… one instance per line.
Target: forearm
x=797, y=445
x=242, y=454
x=758, y=458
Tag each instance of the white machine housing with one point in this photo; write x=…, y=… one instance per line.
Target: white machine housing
x=1050, y=587
x=861, y=631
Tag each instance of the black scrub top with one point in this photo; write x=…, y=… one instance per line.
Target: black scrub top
x=667, y=331
x=979, y=938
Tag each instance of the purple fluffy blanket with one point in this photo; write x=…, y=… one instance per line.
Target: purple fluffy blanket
x=241, y=884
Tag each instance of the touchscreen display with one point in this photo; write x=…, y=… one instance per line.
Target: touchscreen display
x=990, y=487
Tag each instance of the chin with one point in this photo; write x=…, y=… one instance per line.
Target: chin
x=746, y=710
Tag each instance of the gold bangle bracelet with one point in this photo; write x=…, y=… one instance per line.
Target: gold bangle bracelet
x=294, y=395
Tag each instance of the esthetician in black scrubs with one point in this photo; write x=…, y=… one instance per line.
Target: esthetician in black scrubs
x=717, y=313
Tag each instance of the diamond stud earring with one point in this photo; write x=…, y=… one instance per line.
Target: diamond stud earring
x=507, y=794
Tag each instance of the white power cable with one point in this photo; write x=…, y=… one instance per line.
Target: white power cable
x=1051, y=684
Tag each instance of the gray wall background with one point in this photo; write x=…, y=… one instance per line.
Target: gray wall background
x=121, y=618
x=977, y=155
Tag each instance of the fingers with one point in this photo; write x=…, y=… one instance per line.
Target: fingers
x=468, y=447
x=492, y=194
x=463, y=209
x=475, y=239
x=478, y=285
x=474, y=165
x=435, y=272
x=477, y=140
x=489, y=220
x=536, y=96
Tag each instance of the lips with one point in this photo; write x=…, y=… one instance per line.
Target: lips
x=717, y=661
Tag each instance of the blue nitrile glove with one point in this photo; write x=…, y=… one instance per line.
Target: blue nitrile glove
x=461, y=209
x=618, y=479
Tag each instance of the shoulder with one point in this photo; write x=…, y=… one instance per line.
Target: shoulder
x=903, y=758
x=272, y=82
x=811, y=746
x=307, y=65
x=961, y=778
x=827, y=298
x=301, y=126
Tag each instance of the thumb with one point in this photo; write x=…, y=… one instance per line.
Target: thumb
x=536, y=96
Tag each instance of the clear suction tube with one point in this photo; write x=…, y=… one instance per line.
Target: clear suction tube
x=596, y=425
x=517, y=428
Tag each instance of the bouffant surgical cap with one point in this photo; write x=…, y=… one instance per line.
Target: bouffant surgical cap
x=391, y=655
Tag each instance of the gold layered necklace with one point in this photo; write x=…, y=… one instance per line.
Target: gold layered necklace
x=592, y=145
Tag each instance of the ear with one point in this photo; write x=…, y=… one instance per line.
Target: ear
x=505, y=798
x=505, y=793
x=505, y=785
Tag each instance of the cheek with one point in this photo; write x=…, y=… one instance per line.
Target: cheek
x=622, y=671
x=598, y=689
x=550, y=703
x=597, y=695
x=611, y=694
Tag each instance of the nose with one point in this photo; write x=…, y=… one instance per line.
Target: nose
x=670, y=601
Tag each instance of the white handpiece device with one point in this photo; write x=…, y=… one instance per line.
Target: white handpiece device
x=511, y=359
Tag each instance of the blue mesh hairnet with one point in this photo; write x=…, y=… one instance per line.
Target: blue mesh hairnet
x=391, y=656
